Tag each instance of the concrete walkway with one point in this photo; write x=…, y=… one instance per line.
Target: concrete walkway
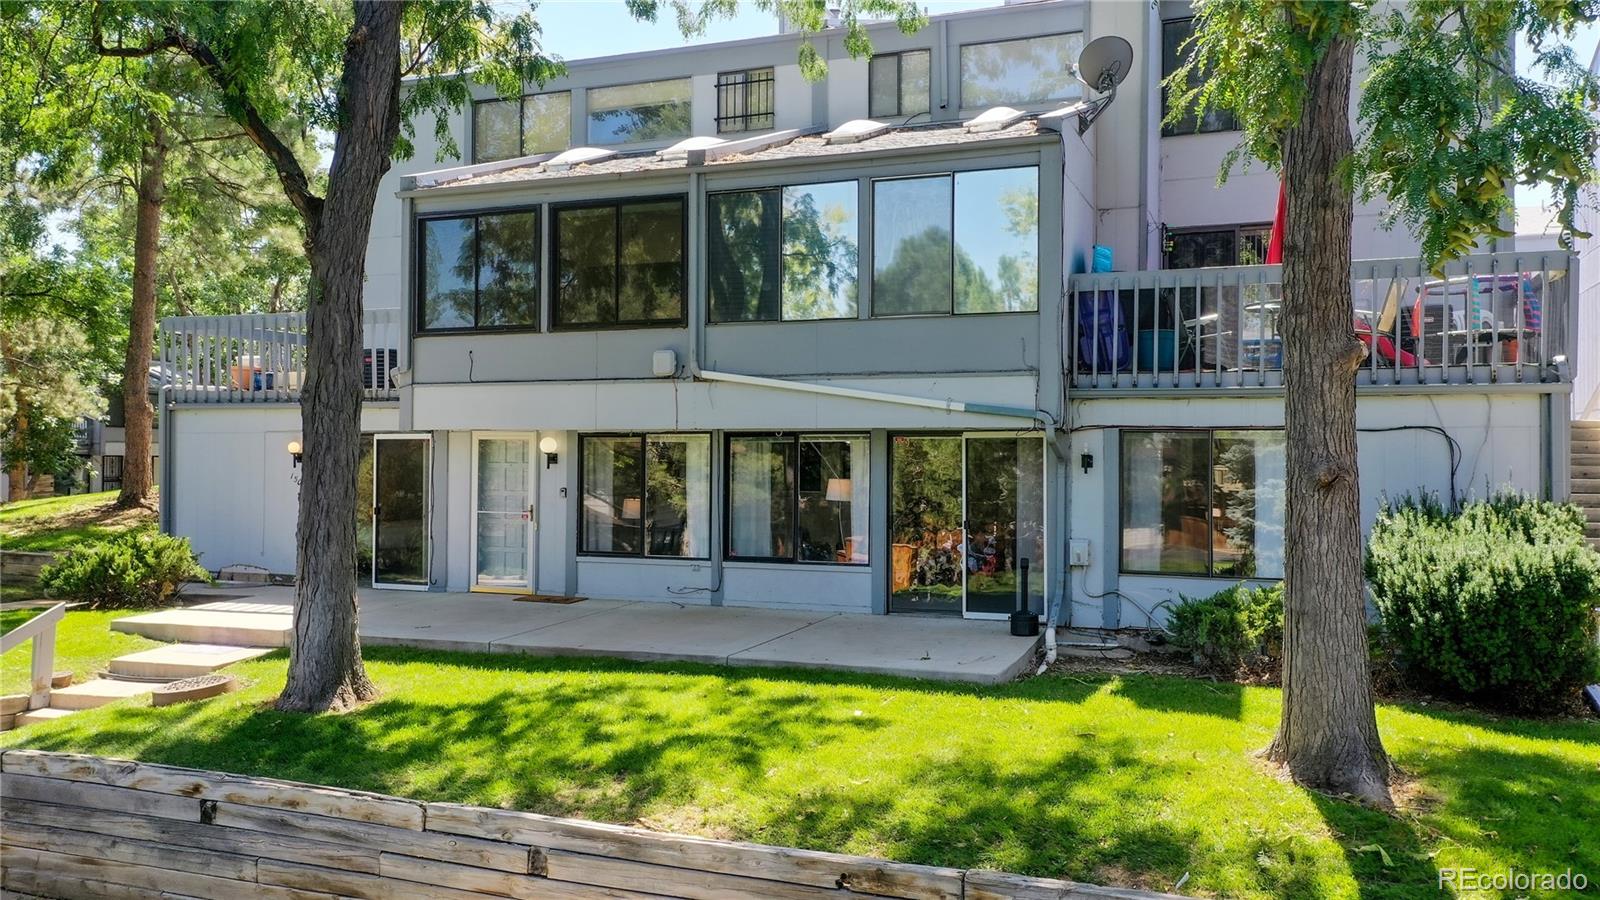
x=915, y=646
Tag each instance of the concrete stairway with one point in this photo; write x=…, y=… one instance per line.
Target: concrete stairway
x=211, y=635
x=1586, y=474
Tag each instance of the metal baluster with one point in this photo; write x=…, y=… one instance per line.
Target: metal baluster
x=1135, y=329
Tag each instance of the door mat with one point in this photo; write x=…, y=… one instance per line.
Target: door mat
x=546, y=598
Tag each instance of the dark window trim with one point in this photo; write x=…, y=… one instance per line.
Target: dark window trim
x=872, y=264
x=1230, y=123
x=419, y=274
x=749, y=87
x=780, y=188
x=1238, y=229
x=682, y=321
x=793, y=477
x=522, y=122
x=1211, y=452
x=644, y=483
x=900, y=81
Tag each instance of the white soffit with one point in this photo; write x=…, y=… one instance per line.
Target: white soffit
x=995, y=119
x=856, y=130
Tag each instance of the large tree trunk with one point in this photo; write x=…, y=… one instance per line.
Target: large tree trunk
x=325, y=669
x=150, y=194
x=18, y=485
x=1328, y=735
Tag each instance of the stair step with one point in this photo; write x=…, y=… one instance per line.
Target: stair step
x=97, y=692
x=182, y=660
x=210, y=624
x=47, y=714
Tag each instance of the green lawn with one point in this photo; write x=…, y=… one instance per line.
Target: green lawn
x=84, y=643
x=1130, y=780
x=57, y=523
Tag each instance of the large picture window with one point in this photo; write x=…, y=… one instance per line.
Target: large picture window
x=1174, y=34
x=1204, y=503
x=798, y=498
x=646, y=495
x=633, y=113
x=1020, y=72
x=537, y=123
x=479, y=272
x=619, y=264
x=962, y=243
x=782, y=253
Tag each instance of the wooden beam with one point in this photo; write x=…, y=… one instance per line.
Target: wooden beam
x=354, y=884
x=805, y=867
x=164, y=881
x=99, y=796
x=488, y=854
x=624, y=874
x=141, y=853
x=358, y=806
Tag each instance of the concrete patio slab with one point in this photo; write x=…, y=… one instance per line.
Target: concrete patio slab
x=173, y=661
x=919, y=647
x=463, y=622
x=662, y=631
x=200, y=625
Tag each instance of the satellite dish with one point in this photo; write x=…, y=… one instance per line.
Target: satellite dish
x=1102, y=65
x=1105, y=62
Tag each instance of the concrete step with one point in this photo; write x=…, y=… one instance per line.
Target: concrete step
x=182, y=660
x=202, y=625
x=97, y=692
x=47, y=714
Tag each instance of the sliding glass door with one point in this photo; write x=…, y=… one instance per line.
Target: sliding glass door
x=966, y=521
x=400, y=511
x=503, y=509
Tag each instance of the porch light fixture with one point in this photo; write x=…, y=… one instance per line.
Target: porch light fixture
x=295, y=451
x=547, y=446
x=1086, y=460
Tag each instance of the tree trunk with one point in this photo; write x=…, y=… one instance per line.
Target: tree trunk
x=150, y=195
x=18, y=484
x=325, y=668
x=1328, y=734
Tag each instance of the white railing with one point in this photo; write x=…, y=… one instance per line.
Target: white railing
x=41, y=630
x=1501, y=317
x=262, y=357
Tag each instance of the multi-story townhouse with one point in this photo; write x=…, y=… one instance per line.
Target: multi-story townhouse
x=684, y=326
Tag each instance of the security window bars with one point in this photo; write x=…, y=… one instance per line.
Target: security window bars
x=744, y=100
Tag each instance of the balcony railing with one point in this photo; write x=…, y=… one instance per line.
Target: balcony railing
x=262, y=358
x=1492, y=318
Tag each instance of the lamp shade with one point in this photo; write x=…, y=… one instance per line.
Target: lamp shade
x=547, y=444
x=630, y=507
x=838, y=490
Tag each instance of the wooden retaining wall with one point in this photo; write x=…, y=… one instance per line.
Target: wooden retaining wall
x=86, y=826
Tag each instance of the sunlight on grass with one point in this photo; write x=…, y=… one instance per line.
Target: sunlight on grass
x=84, y=644
x=57, y=523
x=1129, y=780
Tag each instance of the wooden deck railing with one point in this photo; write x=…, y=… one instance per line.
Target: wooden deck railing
x=1498, y=317
x=41, y=630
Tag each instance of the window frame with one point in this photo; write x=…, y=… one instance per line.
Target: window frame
x=743, y=88
x=554, y=219
x=644, y=505
x=1239, y=230
x=779, y=189
x=961, y=84
x=1211, y=479
x=1231, y=121
x=419, y=269
x=522, y=123
x=589, y=111
x=871, y=266
x=900, y=82
x=793, y=438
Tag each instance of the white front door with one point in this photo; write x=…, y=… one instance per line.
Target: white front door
x=503, y=510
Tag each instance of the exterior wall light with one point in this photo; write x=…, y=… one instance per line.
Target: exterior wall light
x=547, y=446
x=295, y=451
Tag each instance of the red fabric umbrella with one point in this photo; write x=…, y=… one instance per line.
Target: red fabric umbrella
x=1279, y=223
